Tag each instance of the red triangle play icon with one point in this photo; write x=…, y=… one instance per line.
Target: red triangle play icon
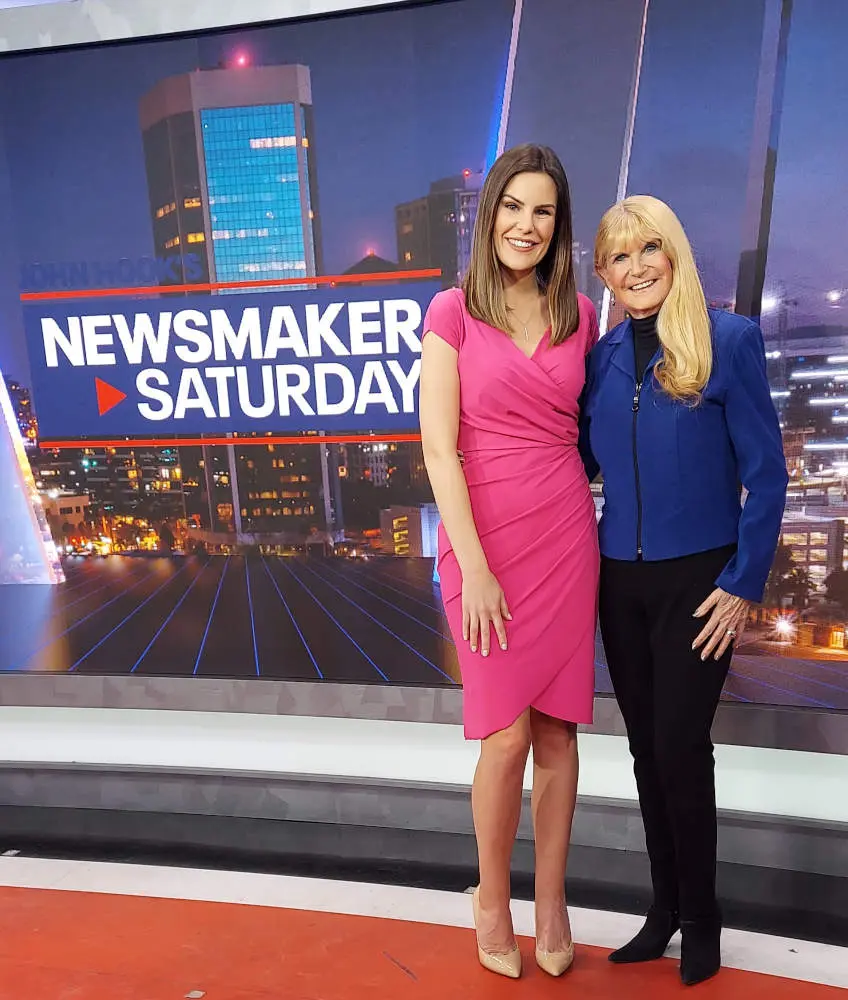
x=107, y=396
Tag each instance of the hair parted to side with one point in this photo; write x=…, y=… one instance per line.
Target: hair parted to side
x=683, y=324
x=483, y=284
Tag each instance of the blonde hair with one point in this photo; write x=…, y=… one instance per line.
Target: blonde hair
x=483, y=284
x=683, y=324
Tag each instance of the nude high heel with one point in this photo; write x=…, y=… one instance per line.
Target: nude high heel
x=555, y=963
x=507, y=964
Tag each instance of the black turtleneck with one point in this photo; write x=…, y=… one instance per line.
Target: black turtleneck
x=646, y=343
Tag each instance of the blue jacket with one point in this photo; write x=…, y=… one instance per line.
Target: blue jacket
x=672, y=471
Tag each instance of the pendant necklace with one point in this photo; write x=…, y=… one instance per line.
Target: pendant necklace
x=524, y=326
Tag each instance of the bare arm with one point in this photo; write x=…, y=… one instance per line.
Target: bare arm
x=439, y=414
x=482, y=598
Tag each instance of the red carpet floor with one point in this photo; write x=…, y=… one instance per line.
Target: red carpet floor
x=84, y=946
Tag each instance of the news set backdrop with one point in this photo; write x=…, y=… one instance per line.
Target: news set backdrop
x=220, y=251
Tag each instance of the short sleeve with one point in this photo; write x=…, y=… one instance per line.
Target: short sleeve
x=445, y=317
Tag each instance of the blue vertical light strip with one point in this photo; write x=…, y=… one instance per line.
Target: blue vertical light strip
x=211, y=616
x=497, y=116
x=38, y=519
x=629, y=129
x=252, y=618
x=509, y=79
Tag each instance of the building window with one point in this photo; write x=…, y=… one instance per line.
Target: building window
x=175, y=242
x=166, y=210
x=794, y=538
x=196, y=238
x=255, y=187
x=407, y=256
x=275, y=142
x=191, y=203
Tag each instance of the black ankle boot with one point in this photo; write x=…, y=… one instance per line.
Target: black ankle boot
x=651, y=941
x=700, y=950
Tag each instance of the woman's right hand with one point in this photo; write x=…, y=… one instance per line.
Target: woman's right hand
x=483, y=602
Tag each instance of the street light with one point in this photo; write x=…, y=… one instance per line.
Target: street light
x=784, y=628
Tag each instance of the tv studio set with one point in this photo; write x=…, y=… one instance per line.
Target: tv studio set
x=423, y=499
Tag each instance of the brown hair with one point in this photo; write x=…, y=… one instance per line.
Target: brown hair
x=483, y=286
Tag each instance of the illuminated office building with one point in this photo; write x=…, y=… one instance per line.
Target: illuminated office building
x=410, y=531
x=809, y=380
x=436, y=230
x=816, y=541
x=231, y=173
x=233, y=196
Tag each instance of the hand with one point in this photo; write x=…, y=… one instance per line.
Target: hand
x=725, y=625
x=483, y=602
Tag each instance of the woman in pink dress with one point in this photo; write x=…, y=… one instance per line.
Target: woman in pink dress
x=503, y=367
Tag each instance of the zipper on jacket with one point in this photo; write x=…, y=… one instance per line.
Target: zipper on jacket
x=636, y=395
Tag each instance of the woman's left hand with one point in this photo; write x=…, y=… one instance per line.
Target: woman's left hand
x=725, y=625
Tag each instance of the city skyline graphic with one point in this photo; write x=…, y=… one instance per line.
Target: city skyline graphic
x=279, y=154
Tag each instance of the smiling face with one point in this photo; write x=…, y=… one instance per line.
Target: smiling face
x=640, y=276
x=525, y=222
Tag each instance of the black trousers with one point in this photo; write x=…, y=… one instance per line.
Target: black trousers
x=668, y=697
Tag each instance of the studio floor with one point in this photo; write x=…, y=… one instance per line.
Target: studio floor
x=78, y=930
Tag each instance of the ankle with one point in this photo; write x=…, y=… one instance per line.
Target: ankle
x=553, y=928
x=705, y=928
x=660, y=914
x=548, y=907
x=651, y=940
x=700, y=957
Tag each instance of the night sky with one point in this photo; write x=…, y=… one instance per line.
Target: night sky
x=403, y=98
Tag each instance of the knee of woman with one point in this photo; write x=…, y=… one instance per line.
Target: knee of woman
x=509, y=746
x=682, y=757
x=551, y=735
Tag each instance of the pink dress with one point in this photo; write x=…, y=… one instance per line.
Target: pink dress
x=535, y=516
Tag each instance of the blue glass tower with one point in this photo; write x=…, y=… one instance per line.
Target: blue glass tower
x=255, y=196
x=231, y=174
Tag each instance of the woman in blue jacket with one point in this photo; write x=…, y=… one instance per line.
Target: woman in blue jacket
x=678, y=418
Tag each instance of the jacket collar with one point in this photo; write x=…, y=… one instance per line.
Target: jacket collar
x=622, y=352
x=621, y=348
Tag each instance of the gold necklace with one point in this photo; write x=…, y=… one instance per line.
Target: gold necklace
x=524, y=325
